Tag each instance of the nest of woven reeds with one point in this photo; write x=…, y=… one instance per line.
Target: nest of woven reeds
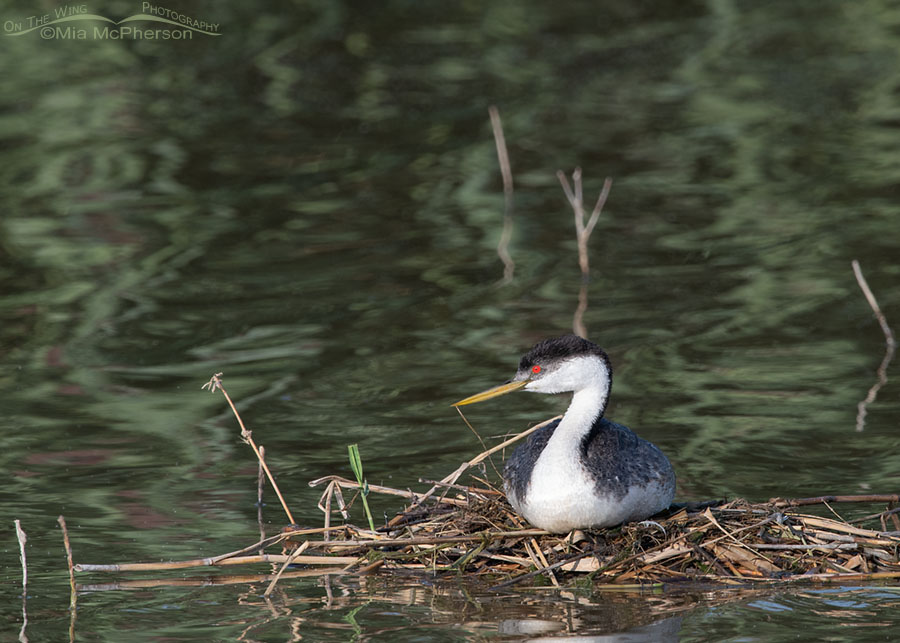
x=474, y=531
x=470, y=529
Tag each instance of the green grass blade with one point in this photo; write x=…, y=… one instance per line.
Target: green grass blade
x=356, y=466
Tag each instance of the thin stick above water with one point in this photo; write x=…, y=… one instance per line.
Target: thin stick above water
x=73, y=593
x=506, y=172
x=20, y=535
x=453, y=477
x=583, y=233
x=215, y=382
x=890, y=347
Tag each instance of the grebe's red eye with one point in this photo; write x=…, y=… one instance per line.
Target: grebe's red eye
x=535, y=369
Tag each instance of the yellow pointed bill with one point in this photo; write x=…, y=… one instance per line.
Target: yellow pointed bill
x=503, y=389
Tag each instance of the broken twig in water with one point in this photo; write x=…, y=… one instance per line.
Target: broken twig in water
x=890, y=347
x=583, y=232
x=22, y=538
x=260, y=486
x=294, y=555
x=215, y=382
x=65, y=532
x=506, y=172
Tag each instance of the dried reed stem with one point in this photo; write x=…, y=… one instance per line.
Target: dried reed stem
x=215, y=382
x=538, y=572
x=22, y=538
x=509, y=265
x=461, y=487
x=824, y=547
x=333, y=491
x=818, y=500
x=327, y=508
x=260, y=545
x=221, y=559
x=892, y=513
x=890, y=347
x=208, y=580
x=708, y=515
x=539, y=555
x=389, y=491
x=583, y=232
x=840, y=578
x=206, y=562
x=453, y=477
x=477, y=435
x=294, y=555
x=260, y=485
x=65, y=532
x=428, y=540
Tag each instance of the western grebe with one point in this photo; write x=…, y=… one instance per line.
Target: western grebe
x=582, y=470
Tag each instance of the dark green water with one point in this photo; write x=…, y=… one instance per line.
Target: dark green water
x=310, y=202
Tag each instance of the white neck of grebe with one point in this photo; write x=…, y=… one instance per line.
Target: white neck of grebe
x=590, y=380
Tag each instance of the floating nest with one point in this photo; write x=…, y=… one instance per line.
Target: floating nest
x=468, y=530
x=455, y=529
x=475, y=532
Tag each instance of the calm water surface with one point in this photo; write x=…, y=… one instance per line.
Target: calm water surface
x=310, y=203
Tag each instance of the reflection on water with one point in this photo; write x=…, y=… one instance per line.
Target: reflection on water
x=665, y=630
x=377, y=607
x=311, y=204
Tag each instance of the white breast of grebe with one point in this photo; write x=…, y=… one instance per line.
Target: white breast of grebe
x=561, y=500
x=563, y=494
